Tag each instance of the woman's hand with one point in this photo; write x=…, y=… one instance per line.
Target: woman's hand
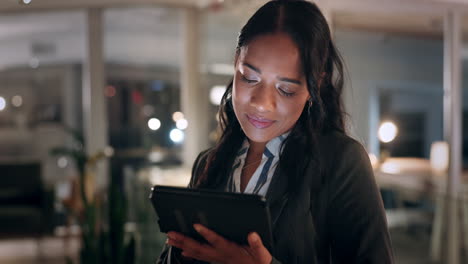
x=219, y=249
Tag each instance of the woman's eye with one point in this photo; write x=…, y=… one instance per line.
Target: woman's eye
x=285, y=92
x=248, y=80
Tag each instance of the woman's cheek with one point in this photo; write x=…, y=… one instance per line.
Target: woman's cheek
x=240, y=95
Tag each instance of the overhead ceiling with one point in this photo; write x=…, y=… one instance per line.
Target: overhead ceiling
x=34, y=5
x=407, y=24
x=414, y=17
x=221, y=19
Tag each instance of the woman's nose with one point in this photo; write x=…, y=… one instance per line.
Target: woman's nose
x=263, y=98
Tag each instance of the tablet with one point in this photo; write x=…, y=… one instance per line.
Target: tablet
x=231, y=215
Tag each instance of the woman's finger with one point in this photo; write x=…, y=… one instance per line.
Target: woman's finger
x=210, y=236
x=175, y=235
x=192, y=248
x=207, y=254
x=184, y=242
x=257, y=249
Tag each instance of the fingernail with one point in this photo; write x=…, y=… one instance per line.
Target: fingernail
x=254, y=237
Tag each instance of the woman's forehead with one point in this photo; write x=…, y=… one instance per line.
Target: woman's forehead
x=272, y=52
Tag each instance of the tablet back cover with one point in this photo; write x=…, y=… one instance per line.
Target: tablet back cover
x=231, y=215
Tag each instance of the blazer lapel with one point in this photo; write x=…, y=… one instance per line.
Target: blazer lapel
x=277, y=196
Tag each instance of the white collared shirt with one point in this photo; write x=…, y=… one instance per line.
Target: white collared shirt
x=260, y=180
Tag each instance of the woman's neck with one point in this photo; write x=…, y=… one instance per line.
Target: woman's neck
x=256, y=148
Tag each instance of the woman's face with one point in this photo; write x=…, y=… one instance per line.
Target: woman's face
x=269, y=88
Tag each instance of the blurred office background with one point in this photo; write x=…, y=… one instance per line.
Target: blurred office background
x=105, y=98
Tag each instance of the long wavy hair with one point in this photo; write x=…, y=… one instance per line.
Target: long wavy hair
x=323, y=69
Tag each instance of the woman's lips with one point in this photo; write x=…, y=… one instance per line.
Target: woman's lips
x=259, y=122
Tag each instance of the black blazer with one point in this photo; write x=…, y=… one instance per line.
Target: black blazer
x=335, y=217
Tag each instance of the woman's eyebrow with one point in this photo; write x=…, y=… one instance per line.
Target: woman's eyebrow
x=284, y=79
x=252, y=67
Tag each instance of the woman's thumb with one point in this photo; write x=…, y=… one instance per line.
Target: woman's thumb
x=257, y=249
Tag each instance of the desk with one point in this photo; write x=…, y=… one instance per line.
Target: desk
x=413, y=178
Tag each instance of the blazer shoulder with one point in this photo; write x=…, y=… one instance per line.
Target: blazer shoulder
x=339, y=149
x=338, y=141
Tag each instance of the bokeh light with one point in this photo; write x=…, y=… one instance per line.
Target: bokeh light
x=110, y=91
x=17, y=101
x=182, y=124
x=176, y=116
x=387, y=132
x=62, y=162
x=2, y=103
x=154, y=124
x=216, y=94
x=176, y=135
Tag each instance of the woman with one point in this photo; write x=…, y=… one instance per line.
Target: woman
x=284, y=137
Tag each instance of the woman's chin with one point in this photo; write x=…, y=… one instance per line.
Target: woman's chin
x=258, y=138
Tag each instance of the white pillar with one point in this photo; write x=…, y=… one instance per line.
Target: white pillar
x=69, y=99
x=94, y=103
x=452, y=128
x=194, y=99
